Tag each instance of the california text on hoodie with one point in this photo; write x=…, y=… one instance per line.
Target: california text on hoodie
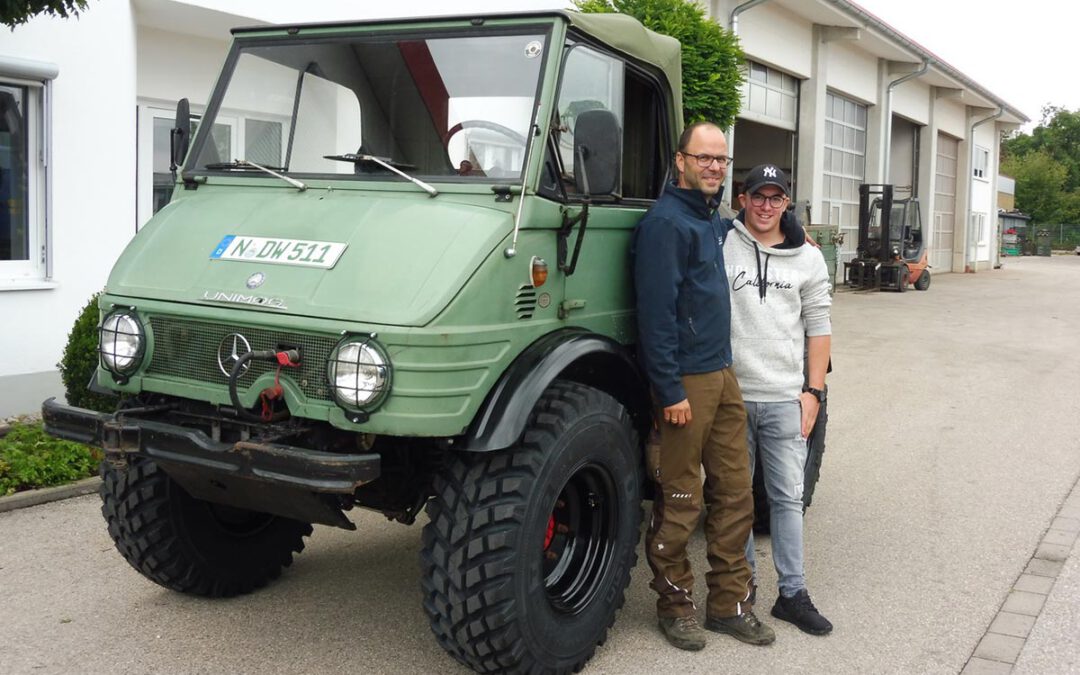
x=779, y=296
x=683, y=306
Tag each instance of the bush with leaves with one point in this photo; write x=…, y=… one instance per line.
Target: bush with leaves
x=711, y=56
x=80, y=360
x=29, y=459
x=15, y=12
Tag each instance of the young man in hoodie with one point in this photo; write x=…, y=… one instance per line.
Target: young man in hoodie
x=779, y=301
x=684, y=340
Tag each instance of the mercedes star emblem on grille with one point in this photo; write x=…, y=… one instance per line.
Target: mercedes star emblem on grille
x=229, y=351
x=256, y=280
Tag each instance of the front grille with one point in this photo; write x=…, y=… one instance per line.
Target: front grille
x=188, y=350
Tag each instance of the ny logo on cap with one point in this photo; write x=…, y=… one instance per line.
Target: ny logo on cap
x=770, y=172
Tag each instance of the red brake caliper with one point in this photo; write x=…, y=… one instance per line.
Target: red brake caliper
x=550, y=531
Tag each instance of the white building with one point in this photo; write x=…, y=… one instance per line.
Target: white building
x=86, y=106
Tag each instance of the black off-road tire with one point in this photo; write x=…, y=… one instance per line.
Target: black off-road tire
x=923, y=282
x=815, y=446
x=903, y=279
x=529, y=550
x=190, y=545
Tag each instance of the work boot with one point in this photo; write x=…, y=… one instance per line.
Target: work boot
x=744, y=627
x=683, y=632
x=799, y=610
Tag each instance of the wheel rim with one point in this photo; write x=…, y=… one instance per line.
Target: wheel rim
x=580, y=539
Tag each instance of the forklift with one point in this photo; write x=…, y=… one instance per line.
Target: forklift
x=891, y=252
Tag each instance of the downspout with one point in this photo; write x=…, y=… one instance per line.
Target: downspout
x=733, y=18
x=733, y=26
x=888, y=114
x=971, y=245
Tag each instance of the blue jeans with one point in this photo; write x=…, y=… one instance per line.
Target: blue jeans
x=775, y=431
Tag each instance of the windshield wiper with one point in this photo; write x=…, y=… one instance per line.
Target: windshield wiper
x=245, y=164
x=386, y=163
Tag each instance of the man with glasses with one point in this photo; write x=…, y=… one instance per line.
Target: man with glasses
x=779, y=301
x=684, y=327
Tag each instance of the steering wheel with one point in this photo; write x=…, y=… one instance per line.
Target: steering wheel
x=484, y=124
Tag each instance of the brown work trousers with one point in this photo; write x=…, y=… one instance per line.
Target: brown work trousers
x=716, y=439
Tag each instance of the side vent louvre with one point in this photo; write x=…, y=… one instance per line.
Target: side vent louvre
x=525, y=302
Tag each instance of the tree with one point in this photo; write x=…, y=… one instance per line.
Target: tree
x=1058, y=135
x=16, y=12
x=711, y=56
x=1040, y=181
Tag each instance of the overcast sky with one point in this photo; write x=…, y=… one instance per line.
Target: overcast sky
x=1024, y=52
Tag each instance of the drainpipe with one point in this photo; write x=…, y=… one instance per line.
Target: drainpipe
x=733, y=25
x=888, y=114
x=971, y=245
x=733, y=19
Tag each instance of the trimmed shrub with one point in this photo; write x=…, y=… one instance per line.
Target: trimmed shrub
x=711, y=55
x=80, y=360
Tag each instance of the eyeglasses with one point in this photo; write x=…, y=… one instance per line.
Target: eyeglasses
x=705, y=161
x=775, y=201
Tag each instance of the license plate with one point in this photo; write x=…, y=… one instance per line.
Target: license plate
x=300, y=252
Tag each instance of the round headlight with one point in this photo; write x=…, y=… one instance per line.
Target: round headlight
x=121, y=342
x=359, y=374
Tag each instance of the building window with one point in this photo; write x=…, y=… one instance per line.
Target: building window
x=982, y=163
x=22, y=182
x=262, y=141
x=978, y=226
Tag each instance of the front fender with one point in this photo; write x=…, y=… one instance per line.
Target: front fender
x=574, y=354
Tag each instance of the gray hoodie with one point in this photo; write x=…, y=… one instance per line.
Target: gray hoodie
x=779, y=296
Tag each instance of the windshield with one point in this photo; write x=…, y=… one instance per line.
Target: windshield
x=451, y=106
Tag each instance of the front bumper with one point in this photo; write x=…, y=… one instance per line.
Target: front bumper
x=271, y=477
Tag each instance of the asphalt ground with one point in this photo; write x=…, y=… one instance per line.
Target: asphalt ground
x=954, y=437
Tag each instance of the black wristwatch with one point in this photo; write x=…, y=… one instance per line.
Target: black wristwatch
x=818, y=393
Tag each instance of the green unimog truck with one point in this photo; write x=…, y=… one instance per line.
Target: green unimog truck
x=408, y=289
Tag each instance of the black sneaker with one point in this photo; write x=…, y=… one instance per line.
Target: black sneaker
x=683, y=632
x=800, y=611
x=744, y=627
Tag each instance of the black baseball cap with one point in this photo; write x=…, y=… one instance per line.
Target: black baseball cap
x=766, y=174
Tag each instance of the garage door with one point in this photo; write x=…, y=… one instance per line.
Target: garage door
x=845, y=168
x=944, y=222
x=769, y=96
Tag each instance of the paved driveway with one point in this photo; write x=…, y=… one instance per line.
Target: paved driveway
x=955, y=435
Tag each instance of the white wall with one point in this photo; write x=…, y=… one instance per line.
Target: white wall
x=912, y=100
x=983, y=195
x=852, y=72
x=171, y=66
x=950, y=116
x=777, y=38
x=93, y=173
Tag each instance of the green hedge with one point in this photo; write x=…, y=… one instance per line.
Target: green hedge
x=711, y=55
x=31, y=459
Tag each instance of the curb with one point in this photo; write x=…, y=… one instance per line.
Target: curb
x=21, y=500
x=1001, y=644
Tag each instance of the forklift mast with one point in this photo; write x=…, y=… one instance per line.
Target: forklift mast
x=872, y=244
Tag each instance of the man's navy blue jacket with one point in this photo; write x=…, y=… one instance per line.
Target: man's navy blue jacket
x=683, y=302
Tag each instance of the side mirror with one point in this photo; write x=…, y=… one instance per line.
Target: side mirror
x=180, y=136
x=597, y=152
